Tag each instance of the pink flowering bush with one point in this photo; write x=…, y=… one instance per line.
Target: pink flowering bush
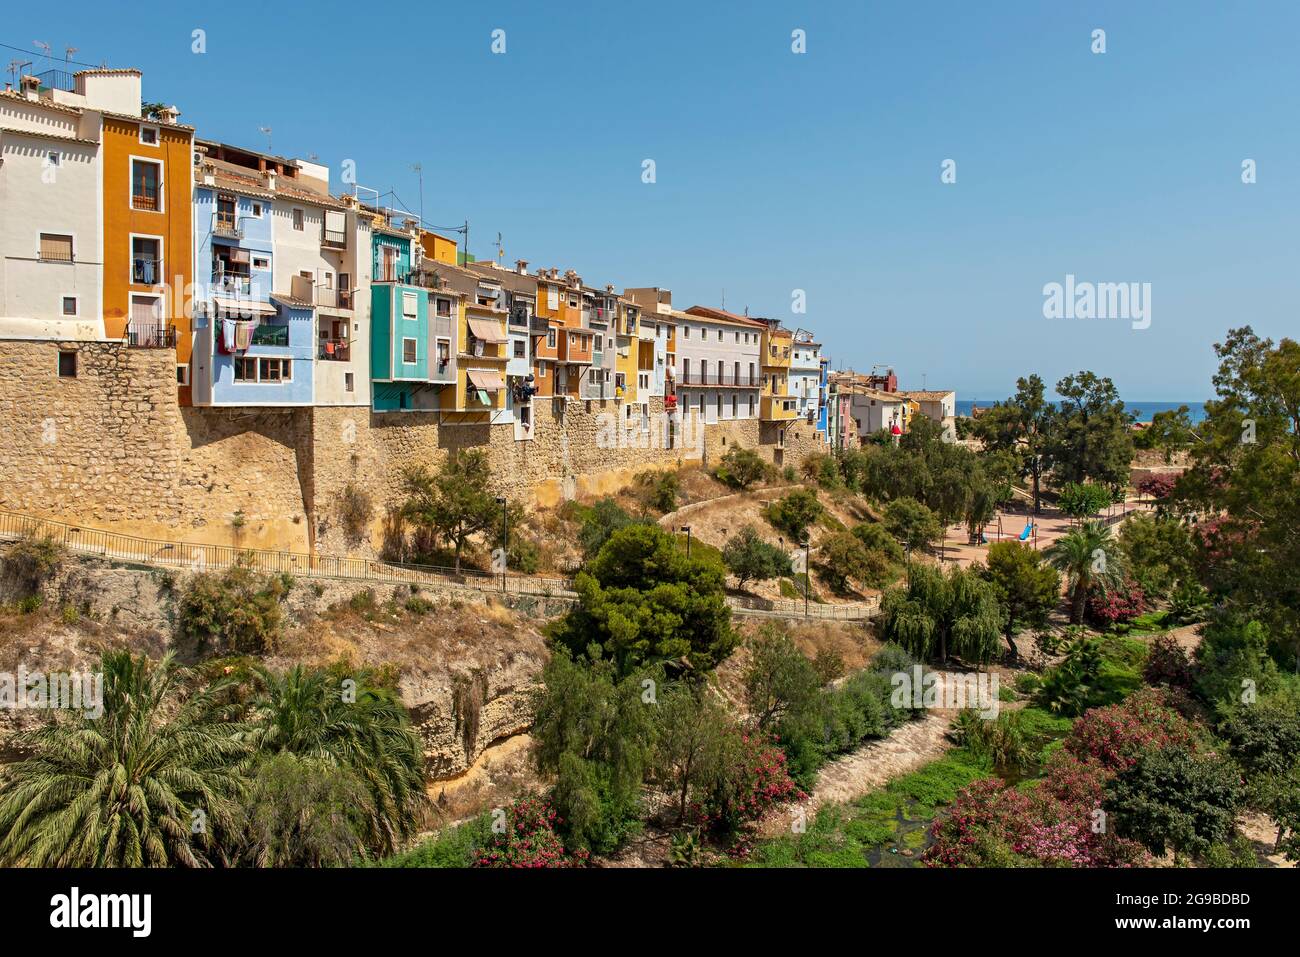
x=754, y=781
x=529, y=839
x=1116, y=605
x=1057, y=823
x=1116, y=736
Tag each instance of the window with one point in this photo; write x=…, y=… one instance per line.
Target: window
x=146, y=185
x=541, y=370
x=257, y=210
x=69, y=305
x=600, y=340
x=751, y=406
x=183, y=374
x=56, y=248
x=719, y=335
x=245, y=370
x=67, y=364
x=408, y=351
x=347, y=382
x=519, y=348
x=735, y=400
x=297, y=220
x=261, y=262
x=552, y=298
x=719, y=405
x=573, y=302
x=52, y=158
x=686, y=332
x=146, y=260
x=444, y=353
x=738, y=337
x=442, y=308
x=410, y=307
x=149, y=135
x=274, y=370
x=550, y=338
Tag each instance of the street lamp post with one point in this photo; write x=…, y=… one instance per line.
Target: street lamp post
x=687, y=530
x=505, y=540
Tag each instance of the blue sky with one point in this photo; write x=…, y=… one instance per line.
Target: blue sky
x=821, y=171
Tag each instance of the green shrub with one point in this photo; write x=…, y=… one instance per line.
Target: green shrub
x=659, y=489
x=457, y=846
x=750, y=558
x=234, y=612
x=740, y=468
x=794, y=512
x=30, y=562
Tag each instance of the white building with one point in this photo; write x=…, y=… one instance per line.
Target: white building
x=805, y=375
x=719, y=371
x=51, y=218
x=939, y=405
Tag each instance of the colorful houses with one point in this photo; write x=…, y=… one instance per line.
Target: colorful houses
x=118, y=224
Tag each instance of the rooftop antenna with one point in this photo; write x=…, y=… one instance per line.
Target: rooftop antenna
x=267, y=131
x=500, y=251
x=15, y=69
x=67, y=53
x=419, y=171
x=43, y=46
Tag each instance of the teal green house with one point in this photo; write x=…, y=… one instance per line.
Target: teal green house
x=411, y=357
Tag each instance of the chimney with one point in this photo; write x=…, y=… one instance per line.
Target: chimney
x=444, y=284
x=609, y=289
x=31, y=87
x=521, y=266
x=269, y=175
x=169, y=114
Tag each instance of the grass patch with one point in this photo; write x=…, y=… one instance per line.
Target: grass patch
x=877, y=828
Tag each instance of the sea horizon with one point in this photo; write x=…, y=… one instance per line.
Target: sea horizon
x=1145, y=409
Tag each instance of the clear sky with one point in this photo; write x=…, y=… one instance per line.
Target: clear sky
x=820, y=171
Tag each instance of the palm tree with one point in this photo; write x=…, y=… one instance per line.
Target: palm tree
x=146, y=783
x=1088, y=555
x=349, y=721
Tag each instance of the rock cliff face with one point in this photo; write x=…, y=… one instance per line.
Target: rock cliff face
x=467, y=667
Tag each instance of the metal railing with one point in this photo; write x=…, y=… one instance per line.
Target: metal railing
x=333, y=238
x=150, y=335
x=741, y=380
x=200, y=557
x=226, y=224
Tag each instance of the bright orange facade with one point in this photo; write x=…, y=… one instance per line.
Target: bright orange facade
x=148, y=231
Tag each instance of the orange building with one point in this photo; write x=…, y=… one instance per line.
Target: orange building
x=149, y=233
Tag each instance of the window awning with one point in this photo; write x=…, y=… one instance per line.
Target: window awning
x=245, y=307
x=486, y=330
x=485, y=381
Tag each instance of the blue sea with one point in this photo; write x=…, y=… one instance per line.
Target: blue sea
x=1144, y=410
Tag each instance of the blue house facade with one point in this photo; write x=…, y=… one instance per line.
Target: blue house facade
x=252, y=346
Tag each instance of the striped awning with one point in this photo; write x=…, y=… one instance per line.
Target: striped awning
x=485, y=381
x=244, y=307
x=486, y=330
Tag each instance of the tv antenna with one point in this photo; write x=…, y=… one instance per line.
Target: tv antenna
x=267, y=131
x=419, y=172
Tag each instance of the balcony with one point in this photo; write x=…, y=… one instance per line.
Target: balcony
x=598, y=389
x=333, y=239
x=150, y=335
x=742, y=380
x=775, y=408
x=334, y=350
x=234, y=286
x=333, y=298
x=538, y=325
x=270, y=334
x=226, y=225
